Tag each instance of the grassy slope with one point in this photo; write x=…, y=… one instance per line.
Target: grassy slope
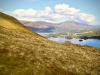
x=26, y=54
x=11, y=23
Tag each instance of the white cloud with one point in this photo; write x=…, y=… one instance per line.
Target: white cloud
x=87, y=17
x=25, y=13
x=48, y=9
x=73, y=13
x=56, y=16
x=95, y=23
x=65, y=9
x=47, y=14
x=27, y=19
x=59, y=12
x=61, y=8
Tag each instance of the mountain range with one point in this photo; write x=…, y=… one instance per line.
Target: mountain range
x=68, y=28
x=63, y=26
x=24, y=52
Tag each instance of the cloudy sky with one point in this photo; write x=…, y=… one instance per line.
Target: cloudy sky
x=84, y=11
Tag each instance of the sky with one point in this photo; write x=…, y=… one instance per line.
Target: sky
x=56, y=11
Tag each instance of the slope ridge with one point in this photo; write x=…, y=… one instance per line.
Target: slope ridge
x=11, y=23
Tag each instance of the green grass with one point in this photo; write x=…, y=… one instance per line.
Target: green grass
x=26, y=54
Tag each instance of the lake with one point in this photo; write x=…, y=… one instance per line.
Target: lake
x=90, y=42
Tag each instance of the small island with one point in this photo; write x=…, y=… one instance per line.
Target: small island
x=80, y=40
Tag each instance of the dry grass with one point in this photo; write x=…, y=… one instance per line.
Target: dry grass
x=26, y=54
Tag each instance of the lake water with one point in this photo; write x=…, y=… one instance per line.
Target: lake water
x=90, y=42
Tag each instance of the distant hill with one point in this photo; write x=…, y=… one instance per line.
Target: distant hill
x=67, y=29
x=23, y=52
x=39, y=26
x=66, y=26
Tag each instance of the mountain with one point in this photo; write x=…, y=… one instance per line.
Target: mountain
x=44, y=25
x=74, y=29
x=59, y=27
x=72, y=26
x=39, y=26
x=23, y=52
x=68, y=28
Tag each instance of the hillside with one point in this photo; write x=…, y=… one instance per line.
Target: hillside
x=28, y=54
x=11, y=23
